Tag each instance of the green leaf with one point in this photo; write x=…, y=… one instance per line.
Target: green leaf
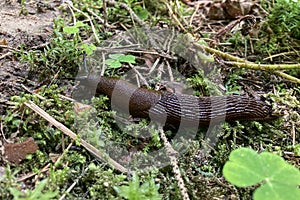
x=297, y=150
x=141, y=12
x=70, y=29
x=122, y=58
x=38, y=193
x=241, y=169
x=134, y=191
x=113, y=63
x=150, y=190
x=79, y=24
x=89, y=49
x=287, y=172
x=116, y=56
x=127, y=58
x=115, y=60
x=279, y=179
x=73, y=29
x=271, y=191
x=272, y=164
x=38, y=189
x=15, y=192
x=16, y=122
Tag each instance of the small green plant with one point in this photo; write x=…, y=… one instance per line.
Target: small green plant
x=88, y=48
x=285, y=18
x=101, y=181
x=23, y=10
x=278, y=180
x=135, y=191
x=204, y=84
x=284, y=25
x=37, y=193
x=64, y=52
x=115, y=60
x=232, y=81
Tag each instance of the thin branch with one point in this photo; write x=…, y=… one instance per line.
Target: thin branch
x=194, y=14
x=6, y=55
x=104, y=12
x=31, y=174
x=126, y=7
x=175, y=17
x=281, y=54
x=9, y=48
x=242, y=63
x=172, y=156
x=287, y=76
x=265, y=67
x=225, y=56
x=230, y=26
x=90, y=20
x=99, y=154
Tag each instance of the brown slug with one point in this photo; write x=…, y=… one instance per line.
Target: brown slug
x=172, y=108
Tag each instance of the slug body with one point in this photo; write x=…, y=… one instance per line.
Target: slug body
x=173, y=108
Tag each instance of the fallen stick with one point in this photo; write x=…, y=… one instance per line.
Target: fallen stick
x=100, y=155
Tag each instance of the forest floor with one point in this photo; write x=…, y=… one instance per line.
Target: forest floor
x=37, y=53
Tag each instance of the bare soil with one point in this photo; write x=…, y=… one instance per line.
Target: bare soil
x=27, y=31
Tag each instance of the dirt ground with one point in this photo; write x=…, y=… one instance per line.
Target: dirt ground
x=29, y=31
x=26, y=29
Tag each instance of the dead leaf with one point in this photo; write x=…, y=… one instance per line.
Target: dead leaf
x=54, y=157
x=80, y=107
x=17, y=152
x=216, y=11
x=3, y=42
x=237, y=8
x=232, y=9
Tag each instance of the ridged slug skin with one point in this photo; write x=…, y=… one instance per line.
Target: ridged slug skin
x=172, y=108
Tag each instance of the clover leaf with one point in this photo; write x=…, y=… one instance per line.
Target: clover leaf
x=73, y=29
x=88, y=48
x=279, y=180
x=115, y=60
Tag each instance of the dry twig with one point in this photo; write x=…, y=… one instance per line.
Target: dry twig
x=172, y=155
x=88, y=17
x=242, y=63
x=100, y=155
x=126, y=7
